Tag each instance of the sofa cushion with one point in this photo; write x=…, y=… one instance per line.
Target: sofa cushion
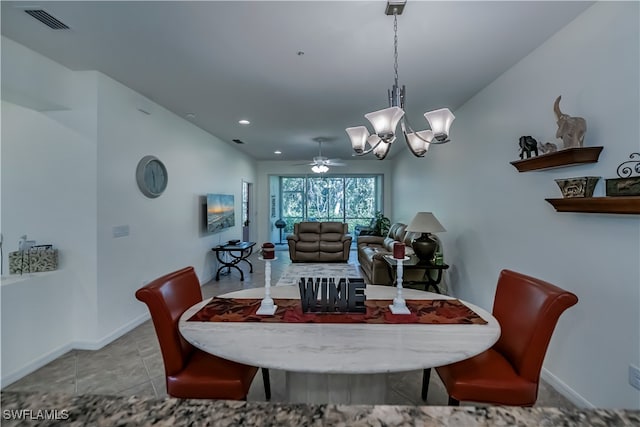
x=331, y=246
x=332, y=227
x=303, y=246
x=308, y=231
x=396, y=231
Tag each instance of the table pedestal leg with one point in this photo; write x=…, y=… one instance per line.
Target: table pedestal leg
x=302, y=387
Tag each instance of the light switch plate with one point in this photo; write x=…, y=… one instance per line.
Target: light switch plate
x=120, y=231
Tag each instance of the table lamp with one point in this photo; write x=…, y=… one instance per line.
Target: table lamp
x=425, y=246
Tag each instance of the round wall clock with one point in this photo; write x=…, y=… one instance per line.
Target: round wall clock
x=151, y=175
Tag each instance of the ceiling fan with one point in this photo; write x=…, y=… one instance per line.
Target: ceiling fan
x=320, y=163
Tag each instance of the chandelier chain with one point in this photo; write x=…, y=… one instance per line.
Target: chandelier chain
x=395, y=47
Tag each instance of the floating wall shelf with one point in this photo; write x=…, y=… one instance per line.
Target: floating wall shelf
x=561, y=158
x=613, y=205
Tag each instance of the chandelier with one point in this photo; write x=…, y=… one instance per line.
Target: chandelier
x=385, y=121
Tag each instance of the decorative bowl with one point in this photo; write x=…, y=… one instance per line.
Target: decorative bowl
x=582, y=186
x=234, y=242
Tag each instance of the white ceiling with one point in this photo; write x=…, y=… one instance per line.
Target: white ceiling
x=224, y=61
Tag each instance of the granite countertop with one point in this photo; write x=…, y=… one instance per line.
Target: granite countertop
x=94, y=410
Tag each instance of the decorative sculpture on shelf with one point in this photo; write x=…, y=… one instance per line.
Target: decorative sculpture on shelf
x=628, y=181
x=527, y=145
x=571, y=130
x=547, y=147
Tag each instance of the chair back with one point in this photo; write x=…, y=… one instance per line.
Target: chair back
x=167, y=298
x=527, y=310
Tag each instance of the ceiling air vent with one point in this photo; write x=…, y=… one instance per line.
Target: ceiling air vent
x=47, y=19
x=237, y=141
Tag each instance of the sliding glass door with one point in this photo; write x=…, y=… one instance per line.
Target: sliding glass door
x=353, y=199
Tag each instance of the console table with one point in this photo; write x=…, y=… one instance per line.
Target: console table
x=414, y=263
x=237, y=252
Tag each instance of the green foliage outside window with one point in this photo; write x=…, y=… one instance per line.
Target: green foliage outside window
x=348, y=199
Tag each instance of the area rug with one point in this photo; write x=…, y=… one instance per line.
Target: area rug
x=295, y=271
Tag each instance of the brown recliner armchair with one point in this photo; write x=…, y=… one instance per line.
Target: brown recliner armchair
x=191, y=373
x=319, y=242
x=508, y=373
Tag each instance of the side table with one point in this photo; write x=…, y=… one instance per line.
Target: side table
x=414, y=263
x=242, y=251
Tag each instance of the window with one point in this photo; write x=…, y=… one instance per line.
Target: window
x=352, y=199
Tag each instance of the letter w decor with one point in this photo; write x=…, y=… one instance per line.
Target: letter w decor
x=346, y=296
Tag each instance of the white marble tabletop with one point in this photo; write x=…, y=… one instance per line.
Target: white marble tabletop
x=340, y=348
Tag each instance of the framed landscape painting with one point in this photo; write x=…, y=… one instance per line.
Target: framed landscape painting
x=220, y=212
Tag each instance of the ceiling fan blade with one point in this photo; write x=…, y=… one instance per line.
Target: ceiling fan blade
x=304, y=164
x=330, y=163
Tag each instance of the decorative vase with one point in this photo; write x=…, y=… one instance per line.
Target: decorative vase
x=424, y=247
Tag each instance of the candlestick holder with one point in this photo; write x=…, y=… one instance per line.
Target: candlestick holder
x=399, y=305
x=267, y=308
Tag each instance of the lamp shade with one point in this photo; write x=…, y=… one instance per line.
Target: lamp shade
x=440, y=122
x=419, y=146
x=424, y=246
x=358, y=136
x=425, y=222
x=385, y=121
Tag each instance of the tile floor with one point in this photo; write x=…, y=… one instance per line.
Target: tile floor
x=132, y=364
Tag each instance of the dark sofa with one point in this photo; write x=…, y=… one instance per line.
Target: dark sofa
x=319, y=242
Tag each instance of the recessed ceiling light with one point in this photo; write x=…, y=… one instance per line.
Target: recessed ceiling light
x=244, y=122
x=277, y=152
x=190, y=116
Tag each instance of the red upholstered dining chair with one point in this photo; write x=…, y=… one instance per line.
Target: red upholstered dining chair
x=508, y=373
x=192, y=373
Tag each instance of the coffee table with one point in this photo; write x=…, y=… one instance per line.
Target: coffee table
x=295, y=271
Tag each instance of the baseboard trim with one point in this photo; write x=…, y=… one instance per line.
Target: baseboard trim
x=74, y=345
x=565, y=390
x=98, y=344
x=34, y=365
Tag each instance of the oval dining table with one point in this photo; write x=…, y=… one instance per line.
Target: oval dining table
x=340, y=362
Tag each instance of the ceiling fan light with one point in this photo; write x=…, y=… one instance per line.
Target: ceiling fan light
x=419, y=142
x=440, y=122
x=358, y=136
x=319, y=168
x=385, y=121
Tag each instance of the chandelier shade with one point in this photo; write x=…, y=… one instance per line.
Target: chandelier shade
x=440, y=122
x=386, y=121
x=419, y=142
x=381, y=150
x=358, y=136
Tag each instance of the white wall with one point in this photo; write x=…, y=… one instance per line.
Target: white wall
x=267, y=231
x=497, y=218
x=48, y=193
x=69, y=155
x=165, y=233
